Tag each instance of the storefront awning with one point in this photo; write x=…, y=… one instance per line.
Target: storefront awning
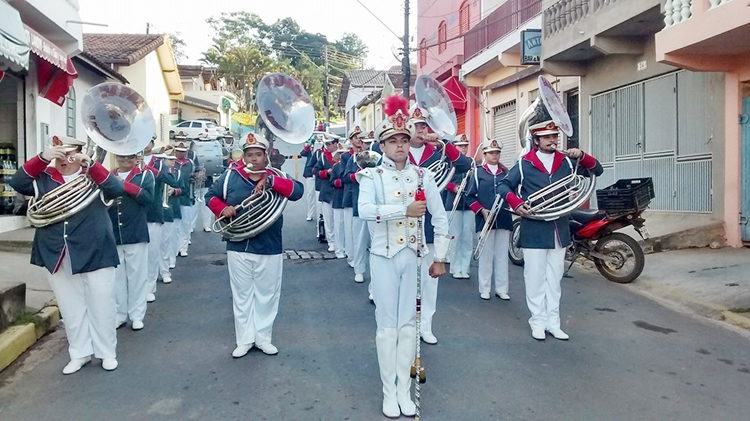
x=55, y=71
x=456, y=92
x=14, y=42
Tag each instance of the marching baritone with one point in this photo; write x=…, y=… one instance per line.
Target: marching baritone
x=483, y=190
x=387, y=201
x=543, y=242
x=255, y=264
x=128, y=216
x=423, y=151
x=79, y=251
x=462, y=220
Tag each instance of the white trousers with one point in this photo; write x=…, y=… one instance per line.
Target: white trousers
x=156, y=264
x=310, y=199
x=205, y=216
x=493, y=262
x=394, y=289
x=462, y=229
x=87, y=305
x=429, y=291
x=327, y=211
x=360, y=245
x=349, y=235
x=171, y=237
x=188, y=218
x=318, y=203
x=542, y=272
x=255, y=280
x=338, y=231
x=131, y=281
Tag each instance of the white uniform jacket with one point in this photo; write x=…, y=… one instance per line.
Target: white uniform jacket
x=384, y=194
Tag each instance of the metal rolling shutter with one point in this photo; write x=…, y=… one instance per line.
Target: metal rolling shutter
x=504, y=129
x=461, y=122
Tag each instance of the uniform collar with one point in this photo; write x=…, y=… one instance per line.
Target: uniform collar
x=537, y=163
x=135, y=171
x=55, y=175
x=389, y=164
x=427, y=152
x=183, y=161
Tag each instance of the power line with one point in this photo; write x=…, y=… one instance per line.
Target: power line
x=380, y=20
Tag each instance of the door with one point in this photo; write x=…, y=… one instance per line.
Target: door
x=745, y=192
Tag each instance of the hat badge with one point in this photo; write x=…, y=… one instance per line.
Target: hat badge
x=250, y=139
x=551, y=125
x=56, y=141
x=493, y=144
x=417, y=113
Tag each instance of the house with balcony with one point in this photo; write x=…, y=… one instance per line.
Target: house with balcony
x=494, y=65
x=641, y=116
x=441, y=29
x=714, y=36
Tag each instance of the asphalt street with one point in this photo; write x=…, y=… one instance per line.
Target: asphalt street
x=628, y=357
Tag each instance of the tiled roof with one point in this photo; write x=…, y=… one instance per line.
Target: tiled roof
x=100, y=66
x=121, y=48
x=366, y=78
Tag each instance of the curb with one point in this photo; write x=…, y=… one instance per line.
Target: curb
x=15, y=340
x=737, y=319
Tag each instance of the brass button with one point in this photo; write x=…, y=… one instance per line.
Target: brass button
x=395, y=178
x=397, y=193
x=399, y=223
x=411, y=194
x=400, y=240
x=411, y=224
x=407, y=179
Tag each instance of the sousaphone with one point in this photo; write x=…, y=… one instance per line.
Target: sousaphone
x=118, y=121
x=441, y=117
x=286, y=112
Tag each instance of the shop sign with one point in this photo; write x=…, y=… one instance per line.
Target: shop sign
x=531, y=46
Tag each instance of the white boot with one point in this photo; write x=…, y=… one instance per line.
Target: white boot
x=385, y=340
x=406, y=350
x=76, y=364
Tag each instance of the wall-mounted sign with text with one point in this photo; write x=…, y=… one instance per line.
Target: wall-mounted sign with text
x=531, y=46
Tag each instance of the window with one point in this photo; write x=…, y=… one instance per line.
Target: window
x=184, y=124
x=70, y=113
x=442, y=36
x=463, y=17
x=196, y=124
x=422, y=52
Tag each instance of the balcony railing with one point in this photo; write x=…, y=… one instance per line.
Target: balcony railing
x=565, y=13
x=502, y=21
x=678, y=11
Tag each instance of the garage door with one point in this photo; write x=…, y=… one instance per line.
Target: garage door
x=505, y=131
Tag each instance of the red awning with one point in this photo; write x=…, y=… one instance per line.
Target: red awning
x=456, y=91
x=55, y=71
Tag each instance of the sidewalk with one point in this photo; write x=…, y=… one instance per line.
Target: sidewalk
x=15, y=252
x=713, y=283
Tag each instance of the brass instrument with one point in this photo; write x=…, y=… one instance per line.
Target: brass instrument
x=118, y=121
x=285, y=109
x=441, y=117
x=489, y=224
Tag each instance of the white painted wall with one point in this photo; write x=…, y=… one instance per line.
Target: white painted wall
x=352, y=98
x=146, y=77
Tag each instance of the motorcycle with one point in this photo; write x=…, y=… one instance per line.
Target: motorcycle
x=617, y=256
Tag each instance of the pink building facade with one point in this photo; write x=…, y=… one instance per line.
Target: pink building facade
x=441, y=26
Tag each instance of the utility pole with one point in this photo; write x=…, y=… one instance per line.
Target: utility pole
x=326, y=95
x=148, y=27
x=405, y=66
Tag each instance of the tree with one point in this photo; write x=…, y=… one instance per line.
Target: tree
x=352, y=45
x=178, y=47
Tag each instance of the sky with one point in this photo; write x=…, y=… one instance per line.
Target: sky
x=329, y=17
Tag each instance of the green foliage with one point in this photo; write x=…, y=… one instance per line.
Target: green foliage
x=245, y=48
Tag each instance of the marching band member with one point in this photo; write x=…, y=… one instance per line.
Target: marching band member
x=462, y=222
x=340, y=158
x=493, y=262
x=307, y=174
x=543, y=242
x=175, y=202
x=423, y=151
x=159, y=221
x=255, y=264
x=79, y=252
x=185, y=168
x=387, y=202
x=323, y=167
x=128, y=216
x=358, y=238
x=355, y=145
x=199, y=173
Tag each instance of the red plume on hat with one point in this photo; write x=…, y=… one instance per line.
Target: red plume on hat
x=394, y=103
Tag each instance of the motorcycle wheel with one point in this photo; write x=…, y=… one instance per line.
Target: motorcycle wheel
x=627, y=255
x=515, y=253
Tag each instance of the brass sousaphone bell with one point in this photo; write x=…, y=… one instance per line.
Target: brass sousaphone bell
x=441, y=117
x=118, y=121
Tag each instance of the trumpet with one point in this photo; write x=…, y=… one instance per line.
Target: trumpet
x=168, y=191
x=489, y=224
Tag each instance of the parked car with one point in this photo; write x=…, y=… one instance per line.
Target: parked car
x=195, y=129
